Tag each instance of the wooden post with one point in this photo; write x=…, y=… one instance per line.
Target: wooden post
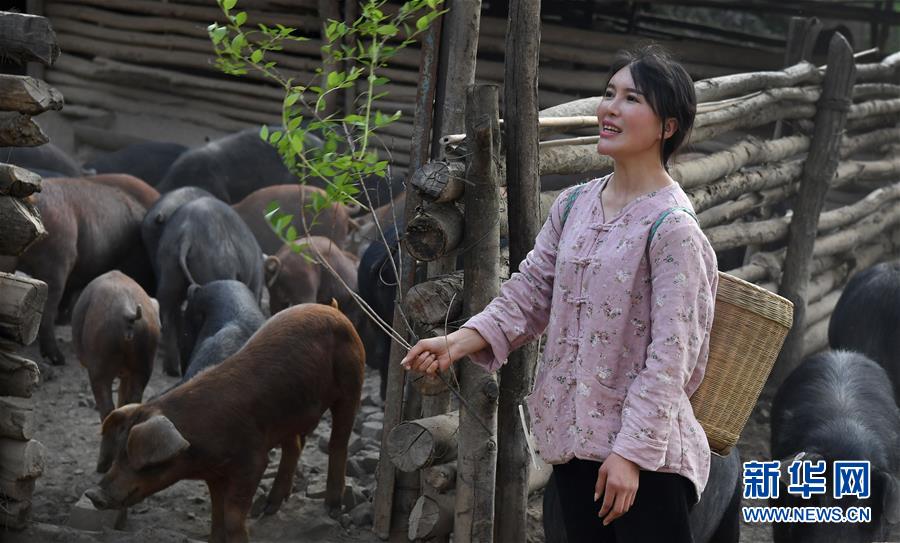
x=820, y=166
x=459, y=46
x=802, y=34
x=477, y=456
x=392, y=512
x=521, y=132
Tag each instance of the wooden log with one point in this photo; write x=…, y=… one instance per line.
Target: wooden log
x=822, y=308
x=21, y=307
x=18, y=130
x=436, y=301
x=21, y=459
x=818, y=170
x=477, y=438
x=27, y=37
x=434, y=232
x=27, y=95
x=742, y=118
x=199, y=107
x=21, y=226
x=417, y=444
x=862, y=142
x=205, y=14
x=867, y=229
x=441, y=477
x=578, y=159
x=873, y=108
x=18, y=376
x=14, y=515
x=441, y=181
x=16, y=418
x=736, y=235
x=18, y=490
x=802, y=34
x=695, y=173
x=123, y=73
x=92, y=97
x=69, y=29
x=190, y=60
x=823, y=283
x=886, y=70
x=879, y=90
x=18, y=182
x=815, y=338
x=763, y=99
x=751, y=179
x=431, y=517
x=520, y=108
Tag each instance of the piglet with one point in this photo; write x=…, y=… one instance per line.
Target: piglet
x=115, y=328
x=220, y=425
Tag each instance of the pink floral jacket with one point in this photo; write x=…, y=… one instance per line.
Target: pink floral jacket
x=627, y=339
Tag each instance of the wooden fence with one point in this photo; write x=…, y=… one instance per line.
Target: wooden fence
x=22, y=38
x=744, y=192
x=153, y=58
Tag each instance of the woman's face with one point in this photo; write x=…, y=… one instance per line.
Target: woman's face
x=628, y=126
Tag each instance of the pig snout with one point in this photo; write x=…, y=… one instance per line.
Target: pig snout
x=98, y=497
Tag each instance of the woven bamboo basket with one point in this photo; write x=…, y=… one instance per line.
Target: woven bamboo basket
x=749, y=328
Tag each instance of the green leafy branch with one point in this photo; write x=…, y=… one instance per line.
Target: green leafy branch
x=313, y=142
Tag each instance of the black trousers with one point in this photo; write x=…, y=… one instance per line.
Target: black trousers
x=659, y=513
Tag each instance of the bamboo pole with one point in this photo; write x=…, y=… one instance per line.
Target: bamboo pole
x=818, y=171
x=477, y=456
x=521, y=135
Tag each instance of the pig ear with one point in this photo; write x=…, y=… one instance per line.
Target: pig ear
x=153, y=442
x=111, y=430
x=891, y=498
x=273, y=269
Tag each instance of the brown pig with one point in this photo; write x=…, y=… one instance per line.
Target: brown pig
x=135, y=187
x=115, y=329
x=293, y=278
x=219, y=426
x=333, y=222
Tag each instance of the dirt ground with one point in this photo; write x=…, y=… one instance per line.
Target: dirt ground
x=69, y=427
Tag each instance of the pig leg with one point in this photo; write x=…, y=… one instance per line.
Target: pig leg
x=47, y=333
x=102, y=388
x=131, y=388
x=284, y=479
x=171, y=292
x=240, y=489
x=342, y=412
x=217, y=497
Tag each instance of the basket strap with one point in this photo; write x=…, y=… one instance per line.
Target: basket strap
x=570, y=201
x=662, y=217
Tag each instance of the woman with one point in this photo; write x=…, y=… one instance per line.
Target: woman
x=627, y=322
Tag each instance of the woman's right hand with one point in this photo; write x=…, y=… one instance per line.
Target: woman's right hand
x=438, y=353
